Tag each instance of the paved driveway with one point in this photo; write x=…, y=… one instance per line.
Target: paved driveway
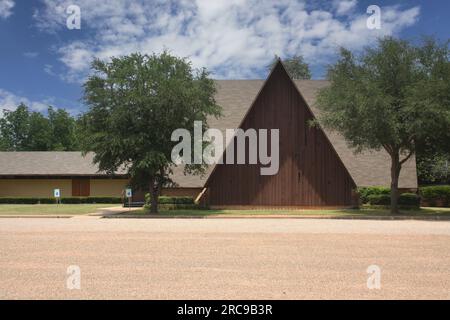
x=223, y=259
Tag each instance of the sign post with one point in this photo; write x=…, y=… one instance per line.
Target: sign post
x=129, y=194
x=57, y=195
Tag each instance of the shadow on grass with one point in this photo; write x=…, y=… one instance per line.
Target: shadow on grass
x=426, y=212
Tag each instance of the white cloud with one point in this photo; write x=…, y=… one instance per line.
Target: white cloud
x=30, y=55
x=6, y=8
x=233, y=38
x=10, y=101
x=344, y=6
x=48, y=68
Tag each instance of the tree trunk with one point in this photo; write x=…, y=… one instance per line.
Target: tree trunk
x=395, y=173
x=154, y=194
x=154, y=201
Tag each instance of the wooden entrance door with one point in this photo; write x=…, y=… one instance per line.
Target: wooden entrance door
x=81, y=187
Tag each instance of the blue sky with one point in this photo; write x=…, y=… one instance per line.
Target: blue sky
x=43, y=62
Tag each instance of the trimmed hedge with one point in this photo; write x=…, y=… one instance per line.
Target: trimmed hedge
x=31, y=200
x=435, y=195
x=174, y=206
x=74, y=200
x=170, y=200
x=366, y=192
x=405, y=199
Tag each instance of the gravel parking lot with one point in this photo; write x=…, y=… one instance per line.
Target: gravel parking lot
x=223, y=258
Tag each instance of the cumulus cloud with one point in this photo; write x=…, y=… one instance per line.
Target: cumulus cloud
x=344, y=6
x=10, y=101
x=232, y=38
x=6, y=8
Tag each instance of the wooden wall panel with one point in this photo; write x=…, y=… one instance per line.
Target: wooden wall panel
x=310, y=172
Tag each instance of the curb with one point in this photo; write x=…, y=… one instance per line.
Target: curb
x=352, y=217
x=35, y=216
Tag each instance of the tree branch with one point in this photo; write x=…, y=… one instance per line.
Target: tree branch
x=407, y=157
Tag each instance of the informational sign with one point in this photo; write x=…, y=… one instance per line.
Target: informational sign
x=128, y=192
x=56, y=193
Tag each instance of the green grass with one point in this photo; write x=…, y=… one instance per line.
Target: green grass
x=341, y=212
x=50, y=209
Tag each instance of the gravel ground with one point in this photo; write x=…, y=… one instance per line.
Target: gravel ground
x=223, y=259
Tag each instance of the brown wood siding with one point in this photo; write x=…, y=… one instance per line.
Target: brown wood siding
x=310, y=171
x=81, y=188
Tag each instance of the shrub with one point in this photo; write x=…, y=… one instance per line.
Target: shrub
x=405, y=199
x=433, y=194
x=365, y=192
x=26, y=200
x=170, y=200
x=174, y=206
x=379, y=199
x=76, y=200
x=409, y=199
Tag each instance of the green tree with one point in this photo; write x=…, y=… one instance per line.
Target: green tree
x=135, y=103
x=14, y=129
x=296, y=66
x=25, y=130
x=393, y=96
x=64, y=129
x=39, y=133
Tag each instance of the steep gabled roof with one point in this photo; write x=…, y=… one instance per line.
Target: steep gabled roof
x=367, y=169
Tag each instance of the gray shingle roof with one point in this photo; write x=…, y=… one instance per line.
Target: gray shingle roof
x=55, y=163
x=235, y=97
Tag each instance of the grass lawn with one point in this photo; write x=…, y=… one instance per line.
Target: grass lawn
x=51, y=209
x=341, y=212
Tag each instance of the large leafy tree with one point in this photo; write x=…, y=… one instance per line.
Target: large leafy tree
x=25, y=130
x=393, y=96
x=135, y=103
x=296, y=66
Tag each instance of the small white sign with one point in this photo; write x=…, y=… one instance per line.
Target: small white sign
x=128, y=192
x=56, y=193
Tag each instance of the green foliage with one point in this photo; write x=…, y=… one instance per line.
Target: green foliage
x=25, y=130
x=409, y=199
x=296, y=66
x=405, y=199
x=393, y=96
x=172, y=203
x=74, y=200
x=433, y=166
x=170, y=200
x=26, y=200
x=365, y=192
x=173, y=206
x=389, y=97
x=135, y=103
x=434, y=194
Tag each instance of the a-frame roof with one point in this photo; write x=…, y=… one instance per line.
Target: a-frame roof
x=236, y=97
